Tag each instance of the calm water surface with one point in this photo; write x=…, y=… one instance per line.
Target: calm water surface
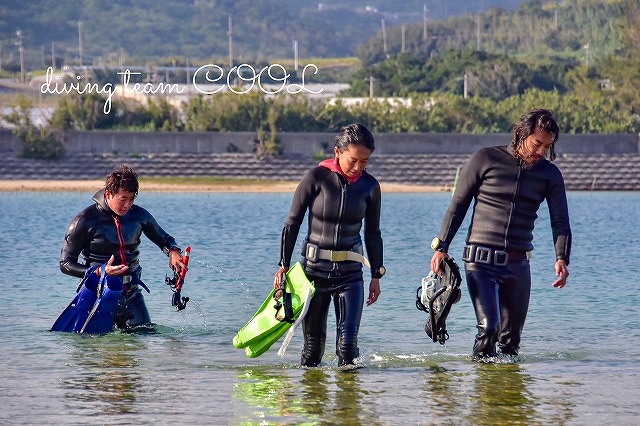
x=581, y=344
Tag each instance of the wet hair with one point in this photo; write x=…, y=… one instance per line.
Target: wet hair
x=354, y=134
x=123, y=177
x=541, y=118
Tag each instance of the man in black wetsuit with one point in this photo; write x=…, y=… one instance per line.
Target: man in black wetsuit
x=507, y=185
x=108, y=232
x=339, y=195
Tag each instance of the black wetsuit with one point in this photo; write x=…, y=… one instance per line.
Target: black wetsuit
x=506, y=198
x=336, y=211
x=97, y=233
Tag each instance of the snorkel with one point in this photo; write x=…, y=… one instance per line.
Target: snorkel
x=176, y=283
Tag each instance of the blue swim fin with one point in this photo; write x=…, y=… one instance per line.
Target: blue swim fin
x=103, y=312
x=75, y=315
x=87, y=311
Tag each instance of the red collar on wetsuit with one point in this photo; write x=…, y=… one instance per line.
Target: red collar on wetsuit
x=332, y=164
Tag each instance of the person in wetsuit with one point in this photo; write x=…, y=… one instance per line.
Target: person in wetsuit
x=108, y=232
x=507, y=186
x=339, y=195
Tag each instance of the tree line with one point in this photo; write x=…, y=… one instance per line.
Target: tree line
x=456, y=90
x=269, y=115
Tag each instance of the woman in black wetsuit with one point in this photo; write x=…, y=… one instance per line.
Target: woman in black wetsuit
x=338, y=194
x=507, y=184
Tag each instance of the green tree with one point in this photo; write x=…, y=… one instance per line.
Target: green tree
x=39, y=143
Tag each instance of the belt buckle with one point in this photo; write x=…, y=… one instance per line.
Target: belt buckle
x=311, y=252
x=468, y=253
x=500, y=254
x=338, y=256
x=483, y=255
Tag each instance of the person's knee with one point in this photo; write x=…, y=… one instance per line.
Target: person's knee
x=347, y=345
x=347, y=356
x=489, y=327
x=508, y=349
x=312, y=352
x=132, y=311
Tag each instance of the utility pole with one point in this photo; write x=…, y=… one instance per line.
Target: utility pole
x=384, y=39
x=371, y=80
x=230, y=34
x=295, y=55
x=80, y=26
x=587, y=48
x=21, y=51
x=556, y=16
x=53, y=56
x=425, y=13
x=465, y=86
x=478, y=32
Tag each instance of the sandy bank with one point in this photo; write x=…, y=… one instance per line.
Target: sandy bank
x=94, y=185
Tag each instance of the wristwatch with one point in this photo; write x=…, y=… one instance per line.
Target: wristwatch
x=438, y=245
x=380, y=272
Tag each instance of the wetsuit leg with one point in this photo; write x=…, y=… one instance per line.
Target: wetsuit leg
x=483, y=289
x=132, y=310
x=314, y=324
x=514, y=304
x=348, y=302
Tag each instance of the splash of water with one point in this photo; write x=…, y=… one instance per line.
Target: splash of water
x=199, y=311
x=241, y=287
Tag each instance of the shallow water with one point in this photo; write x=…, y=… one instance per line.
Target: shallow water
x=580, y=349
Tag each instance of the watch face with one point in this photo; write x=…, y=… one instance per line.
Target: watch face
x=382, y=270
x=435, y=243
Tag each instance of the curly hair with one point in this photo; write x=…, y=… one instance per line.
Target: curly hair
x=540, y=118
x=123, y=177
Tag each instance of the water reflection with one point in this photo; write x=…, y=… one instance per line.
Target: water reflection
x=445, y=396
x=310, y=396
x=103, y=372
x=345, y=404
x=501, y=395
x=315, y=389
x=269, y=395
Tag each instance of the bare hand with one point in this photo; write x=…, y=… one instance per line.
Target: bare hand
x=279, y=280
x=175, y=261
x=110, y=269
x=374, y=291
x=562, y=272
x=436, y=262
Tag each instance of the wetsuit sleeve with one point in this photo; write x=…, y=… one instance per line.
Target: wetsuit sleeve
x=372, y=234
x=559, y=217
x=467, y=187
x=157, y=235
x=302, y=198
x=75, y=239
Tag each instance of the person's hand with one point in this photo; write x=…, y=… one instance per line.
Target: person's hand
x=562, y=272
x=436, y=262
x=175, y=261
x=374, y=291
x=279, y=280
x=110, y=269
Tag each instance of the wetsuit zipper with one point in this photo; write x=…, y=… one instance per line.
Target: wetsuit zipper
x=120, y=240
x=513, y=206
x=340, y=213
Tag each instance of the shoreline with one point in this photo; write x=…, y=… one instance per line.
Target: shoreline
x=94, y=185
